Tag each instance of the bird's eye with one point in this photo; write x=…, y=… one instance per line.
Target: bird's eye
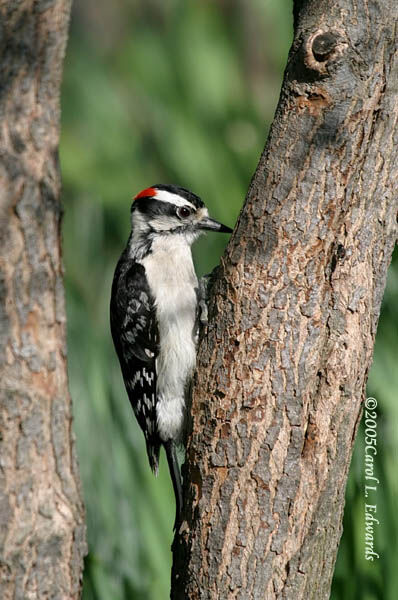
x=183, y=212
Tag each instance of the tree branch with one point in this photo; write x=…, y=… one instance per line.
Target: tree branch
x=41, y=511
x=283, y=366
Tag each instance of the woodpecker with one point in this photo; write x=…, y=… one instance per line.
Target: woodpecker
x=154, y=315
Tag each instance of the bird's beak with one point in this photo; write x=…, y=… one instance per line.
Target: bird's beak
x=212, y=225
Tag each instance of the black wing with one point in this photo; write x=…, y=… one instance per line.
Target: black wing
x=135, y=335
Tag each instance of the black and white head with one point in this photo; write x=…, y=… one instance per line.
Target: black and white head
x=170, y=210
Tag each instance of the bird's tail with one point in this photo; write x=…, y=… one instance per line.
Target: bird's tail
x=153, y=456
x=175, y=477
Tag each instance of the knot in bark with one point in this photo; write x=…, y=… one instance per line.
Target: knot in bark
x=323, y=45
x=322, y=48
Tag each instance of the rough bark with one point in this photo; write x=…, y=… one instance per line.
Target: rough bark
x=42, y=536
x=283, y=364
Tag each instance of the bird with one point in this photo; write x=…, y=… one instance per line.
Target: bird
x=154, y=315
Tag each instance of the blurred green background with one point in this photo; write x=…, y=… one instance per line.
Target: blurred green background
x=177, y=91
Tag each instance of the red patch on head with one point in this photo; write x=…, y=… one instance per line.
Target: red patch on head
x=148, y=193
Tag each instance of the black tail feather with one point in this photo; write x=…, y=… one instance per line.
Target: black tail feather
x=175, y=477
x=153, y=455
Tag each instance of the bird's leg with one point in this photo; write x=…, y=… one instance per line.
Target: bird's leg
x=203, y=298
x=205, y=284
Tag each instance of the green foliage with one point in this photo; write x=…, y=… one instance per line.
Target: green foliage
x=182, y=92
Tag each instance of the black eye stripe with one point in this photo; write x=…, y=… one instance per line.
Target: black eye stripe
x=152, y=207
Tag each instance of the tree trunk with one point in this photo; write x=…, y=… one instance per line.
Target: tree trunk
x=283, y=364
x=41, y=512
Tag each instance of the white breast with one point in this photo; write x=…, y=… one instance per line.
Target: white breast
x=172, y=280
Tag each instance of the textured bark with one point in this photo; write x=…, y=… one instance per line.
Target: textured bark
x=283, y=364
x=42, y=535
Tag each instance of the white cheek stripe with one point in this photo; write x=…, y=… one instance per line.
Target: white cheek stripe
x=171, y=198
